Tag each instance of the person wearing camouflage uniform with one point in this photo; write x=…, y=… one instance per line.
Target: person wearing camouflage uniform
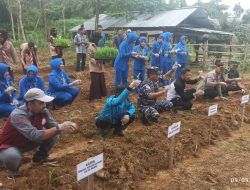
x=148, y=105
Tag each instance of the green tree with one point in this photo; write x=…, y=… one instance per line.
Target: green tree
x=238, y=10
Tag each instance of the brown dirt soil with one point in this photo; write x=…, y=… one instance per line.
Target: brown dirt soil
x=143, y=152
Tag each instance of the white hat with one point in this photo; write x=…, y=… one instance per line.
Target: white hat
x=129, y=30
x=37, y=94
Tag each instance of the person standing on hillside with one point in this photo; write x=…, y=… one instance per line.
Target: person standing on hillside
x=122, y=59
x=102, y=40
x=140, y=60
x=29, y=49
x=156, y=51
x=181, y=50
x=8, y=53
x=81, y=43
x=30, y=127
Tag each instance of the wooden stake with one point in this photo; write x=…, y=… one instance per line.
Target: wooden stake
x=171, y=160
x=91, y=182
x=243, y=114
x=210, y=131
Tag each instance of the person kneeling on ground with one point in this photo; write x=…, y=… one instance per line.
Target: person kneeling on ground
x=148, y=105
x=60, y=85
x=31, y=80
x=180, y=97
x=8, y=101
x=233, y=79
x=29, y=127
x=213, y=83
x=118, y=112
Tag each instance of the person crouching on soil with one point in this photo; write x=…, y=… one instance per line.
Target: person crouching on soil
x=118, y=112
x=148, y=105
x=8, y=100
x=60, y=85
x=96, y=68
x=181, y=97
x=31, y=80
x=233, y=80
x=29, y=127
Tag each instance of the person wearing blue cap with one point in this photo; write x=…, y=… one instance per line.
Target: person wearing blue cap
x=31, y=80
x=60, y=85
x=8, y=101
x=140, y=59
x=156, y=50
x=122, y=59
x=166, y=58
x=181, y=50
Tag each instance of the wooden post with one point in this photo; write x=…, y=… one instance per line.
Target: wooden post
x=171, y=160
x=91, y=182
x=244, y=63
x=205, y=54
x=243, y=114
x=210, y=131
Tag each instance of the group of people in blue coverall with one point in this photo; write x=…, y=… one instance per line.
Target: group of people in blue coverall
x=161, y=55
x=60, y=86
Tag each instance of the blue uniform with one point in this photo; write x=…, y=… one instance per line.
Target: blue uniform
x=6, y=99
x=166, y=58
x=181, y=56
x=121, y=61
x=156, y=48
x=29, y=82
x=59, y=85
x=101, y=42
x=116, y=107
x=139, y=64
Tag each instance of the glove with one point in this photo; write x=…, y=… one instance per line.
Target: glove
x=125, y=119
x=223, y=98
x=67, y=126
x=15, y=102
x=75, y=82
x=135, y=84
x=10, y=89
x=175, y=66
x=157, y=55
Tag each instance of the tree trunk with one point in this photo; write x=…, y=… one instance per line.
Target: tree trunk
x=20, y=19
x=18, y=29
x=12, y=26
x=63, y=15
x=97, y=11
x=44, y=19
x=37, y=22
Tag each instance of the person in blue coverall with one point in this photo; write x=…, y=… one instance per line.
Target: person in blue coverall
x=8, y=101
x=166, y=58
x=156, y=50
x=118, y=112
x=122, y=59
x=140, y=59
x=60, y=85
x=31, y=80
x=181, y=50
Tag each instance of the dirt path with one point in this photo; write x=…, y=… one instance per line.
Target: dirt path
x=224, y=166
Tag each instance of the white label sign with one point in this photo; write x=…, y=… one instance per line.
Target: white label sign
x=245, y=99
x=213, y=110
x=89, y=167
x=174, y=129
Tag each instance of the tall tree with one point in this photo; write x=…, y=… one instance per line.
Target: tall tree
x=238, y=10
x=20, y=19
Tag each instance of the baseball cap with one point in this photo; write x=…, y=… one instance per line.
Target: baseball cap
x=37, y=94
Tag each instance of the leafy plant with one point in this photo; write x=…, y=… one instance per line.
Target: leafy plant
x=61, y=42
x=52, y=177
x=105, y=53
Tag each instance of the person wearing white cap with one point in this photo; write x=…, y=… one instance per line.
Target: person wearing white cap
x=29, y=127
